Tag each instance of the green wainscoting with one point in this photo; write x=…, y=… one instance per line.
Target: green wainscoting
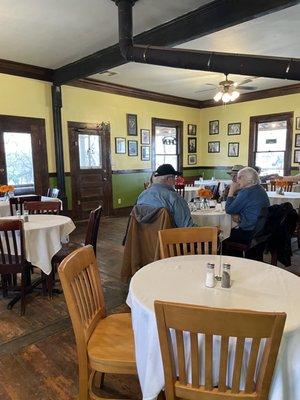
x=127, y=187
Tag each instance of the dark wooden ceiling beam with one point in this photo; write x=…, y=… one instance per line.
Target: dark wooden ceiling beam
x=26, y=70
x=212, y=17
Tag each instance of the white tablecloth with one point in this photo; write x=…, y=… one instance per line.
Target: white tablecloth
x=292, y=197
x=256, y=286
x=211, y=217
x=5, y=209
x=43, y=237
x=190, y=192
x=212, y=182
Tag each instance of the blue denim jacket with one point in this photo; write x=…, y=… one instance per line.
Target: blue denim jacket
x=248, y=204
x=162, y=195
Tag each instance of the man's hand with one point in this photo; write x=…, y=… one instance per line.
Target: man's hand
x=233, y=188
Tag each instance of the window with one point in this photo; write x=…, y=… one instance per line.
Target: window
x=269, y=144
x=18, y=159
x=89, y=151
x=167, y=144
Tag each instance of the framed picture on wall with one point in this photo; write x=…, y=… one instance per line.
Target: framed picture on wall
x=120, y=145
x=132, y=147
x=131, y=124
x=234, y=128
x=298, y=123
x=192, y=145
x=233, y=149
x=192, y=159
x=213, y=127
x=145, y=153
x=192, y=129
x=214, y=147
x=297, y=140
x=296, y=156
x=145, y=136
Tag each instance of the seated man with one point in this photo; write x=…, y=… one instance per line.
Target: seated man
x=265, y=178
x=233, y=173
x=161, y=194
x=247, y=205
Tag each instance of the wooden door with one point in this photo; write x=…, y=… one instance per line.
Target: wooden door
x=90, y=168
x=23, y=154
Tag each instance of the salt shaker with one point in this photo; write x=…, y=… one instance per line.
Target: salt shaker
x=210, y=275
x=225, y=282
x=26, y=219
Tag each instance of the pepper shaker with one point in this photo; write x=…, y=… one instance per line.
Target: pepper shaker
x=225, y=282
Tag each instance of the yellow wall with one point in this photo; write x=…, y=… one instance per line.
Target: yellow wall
x=29, y=98
x=84, y=105
x=240, y=112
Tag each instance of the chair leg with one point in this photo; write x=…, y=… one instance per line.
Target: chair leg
x=274, y=257
x=4, y=285
x=44, y=283
x=23, y=292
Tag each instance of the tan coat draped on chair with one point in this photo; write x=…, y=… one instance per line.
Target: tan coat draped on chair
x=141, y=244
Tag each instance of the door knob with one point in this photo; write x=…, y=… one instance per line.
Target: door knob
x=2, y=170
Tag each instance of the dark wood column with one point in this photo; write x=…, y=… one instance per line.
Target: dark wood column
x=59, y=151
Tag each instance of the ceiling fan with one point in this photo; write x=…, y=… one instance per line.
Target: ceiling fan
x=228, y=89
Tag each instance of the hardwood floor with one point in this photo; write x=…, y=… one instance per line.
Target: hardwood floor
x=38, y=358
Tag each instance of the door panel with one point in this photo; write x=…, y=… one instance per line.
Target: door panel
x=90, y=168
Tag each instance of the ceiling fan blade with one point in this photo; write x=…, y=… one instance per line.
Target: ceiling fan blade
x=246, y=87
x=245, y=81
x=205, y=90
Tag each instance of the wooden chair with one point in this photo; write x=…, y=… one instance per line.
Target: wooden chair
x=12, y=258
x=239, y=324
x=43, y=207
x=52, y=192
x=104, y=344
x=186, y=241
x=16, y=203
x=180, y=189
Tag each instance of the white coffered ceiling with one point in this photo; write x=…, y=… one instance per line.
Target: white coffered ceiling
x=52, y=33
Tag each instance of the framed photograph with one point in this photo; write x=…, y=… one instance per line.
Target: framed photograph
x=296, y=156
x=145, y=153
x=213, y=127
x=233, y=149
x=297, y=140
x=192, y=129
x=132, y=147
x=214, y=147
x=131, y=124
x=298, y=123
x=192, y=159
x=192, y=145
x=120, y=145
x=234, y=128
x=145, y=136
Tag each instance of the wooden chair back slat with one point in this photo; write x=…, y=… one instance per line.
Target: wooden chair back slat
x=195, y=360
x=81, y=283
x=249, y=387
x=188, y=241
x=223, y=363
x=43, y=207
x=239, y=352
x=181, y=357
x=12, y=247
x=93, y=228
x=16, y=203
x=241, y=325
x=288, y=187
x=180, y=190
x=208, y=361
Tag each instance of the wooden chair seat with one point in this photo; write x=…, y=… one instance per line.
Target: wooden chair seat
x=111, y=345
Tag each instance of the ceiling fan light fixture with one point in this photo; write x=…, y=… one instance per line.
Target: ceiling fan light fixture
x=226, y=97
x=218, y=96
x=234, y=95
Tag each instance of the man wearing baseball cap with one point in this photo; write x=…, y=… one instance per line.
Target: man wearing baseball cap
x=161, y=194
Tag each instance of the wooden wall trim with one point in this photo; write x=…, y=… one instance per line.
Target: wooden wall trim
x=93, y=84
x=26, y=70
x=54, y=174
x=260, y=94
x=130, y=171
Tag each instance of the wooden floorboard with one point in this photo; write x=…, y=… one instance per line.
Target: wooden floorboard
x=38, y=359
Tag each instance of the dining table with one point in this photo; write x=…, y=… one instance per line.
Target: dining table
x=44, y=235
x=5, y=208
x=213, y=217
x=254, y=286
x=291, y=197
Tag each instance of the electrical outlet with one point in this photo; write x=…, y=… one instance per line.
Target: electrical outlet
x=119, y=201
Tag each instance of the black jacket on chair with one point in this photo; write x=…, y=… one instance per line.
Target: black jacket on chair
x=281, y=223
